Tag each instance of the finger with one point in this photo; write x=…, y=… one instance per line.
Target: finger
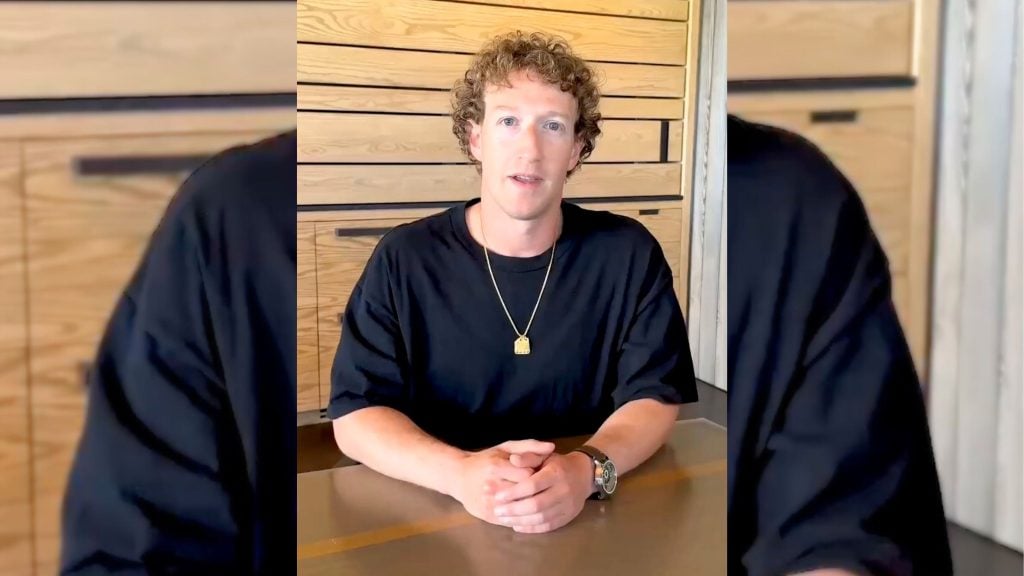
x=547, y=502
x=549, y=526
x=527, y=460
x=520, y=446
x=501, y=469
x=528, y=487
x=491, y=487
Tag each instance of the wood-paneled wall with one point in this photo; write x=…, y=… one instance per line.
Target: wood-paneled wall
x=376, y=146
x=114, y=81
x=859, y=79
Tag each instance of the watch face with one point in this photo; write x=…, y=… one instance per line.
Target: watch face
x=609, y=479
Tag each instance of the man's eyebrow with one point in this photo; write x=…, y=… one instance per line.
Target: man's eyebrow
x=546, y=114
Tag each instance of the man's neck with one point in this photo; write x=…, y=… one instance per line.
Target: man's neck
x=510, y=237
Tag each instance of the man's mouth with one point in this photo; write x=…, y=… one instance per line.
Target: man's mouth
x=526, y=178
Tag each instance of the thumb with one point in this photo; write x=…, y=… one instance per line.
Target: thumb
x=521, y=446
x=527, y=460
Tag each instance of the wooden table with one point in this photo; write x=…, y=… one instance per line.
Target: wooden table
x=667, y=517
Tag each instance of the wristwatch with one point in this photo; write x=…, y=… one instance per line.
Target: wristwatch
x=605, y=476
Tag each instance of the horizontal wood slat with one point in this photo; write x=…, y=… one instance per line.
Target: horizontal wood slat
x=799, y=39
x=405, y=101
x=367, y=184
x=362, y=66
x=464, y=28
x=374, y=138
x=79, y=49
x=660, y=9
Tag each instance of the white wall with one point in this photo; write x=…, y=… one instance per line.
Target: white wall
x=975, y=385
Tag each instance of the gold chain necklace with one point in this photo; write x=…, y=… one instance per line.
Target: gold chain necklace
x=522, y=344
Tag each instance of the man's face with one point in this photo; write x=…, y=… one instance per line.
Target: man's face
x=525, y=144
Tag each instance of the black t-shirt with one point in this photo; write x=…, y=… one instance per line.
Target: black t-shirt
x=424, y=332
x=187, y=460
x=830, y=461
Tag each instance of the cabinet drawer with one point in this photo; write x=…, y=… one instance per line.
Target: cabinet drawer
x=344, y=246
x=307, y=353
x=91, y=206
x=15, y=491
x=794, y=39
x=83, y=49
x=873, y=148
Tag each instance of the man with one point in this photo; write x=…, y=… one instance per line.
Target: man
x=830, y=462
x=475, y=332
x=187, y=460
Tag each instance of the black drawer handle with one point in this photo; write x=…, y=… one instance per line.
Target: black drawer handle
x=137, y=165
x=833, y=116
x=355, y=232
x=650, y=212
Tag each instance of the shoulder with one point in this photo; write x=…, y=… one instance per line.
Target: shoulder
x=246, y=189
x=611, y=231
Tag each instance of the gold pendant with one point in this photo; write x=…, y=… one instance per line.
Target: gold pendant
x=522, y=346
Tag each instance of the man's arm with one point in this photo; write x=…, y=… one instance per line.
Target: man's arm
x=152, y=487
x=846, y=478
x=633, y=433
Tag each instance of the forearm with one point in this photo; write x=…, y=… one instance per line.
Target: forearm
x=634, y=432
x=389, y=442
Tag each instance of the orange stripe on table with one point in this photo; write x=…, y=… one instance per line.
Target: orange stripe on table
x=400, y=531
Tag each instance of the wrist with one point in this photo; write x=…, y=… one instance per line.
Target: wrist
x=583, y=472
x=453, y=473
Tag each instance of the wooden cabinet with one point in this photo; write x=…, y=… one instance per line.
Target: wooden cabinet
x=858, y=79
x=794, y=39
x=91, y=206
x=105, y=108
x=15, y=465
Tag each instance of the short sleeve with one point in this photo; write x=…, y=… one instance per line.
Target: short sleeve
x=847, y=478
x=654, y=357
x=152, y=483
x=369, y=364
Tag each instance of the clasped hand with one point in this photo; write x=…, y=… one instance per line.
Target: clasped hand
x=525, y=485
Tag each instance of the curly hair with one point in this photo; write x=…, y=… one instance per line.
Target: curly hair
x=548, y=57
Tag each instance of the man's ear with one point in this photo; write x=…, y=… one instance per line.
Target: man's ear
x=577, y=148
x=474, y=140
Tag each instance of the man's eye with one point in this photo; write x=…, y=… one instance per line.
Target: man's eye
x=508, y=121
x=556, y=126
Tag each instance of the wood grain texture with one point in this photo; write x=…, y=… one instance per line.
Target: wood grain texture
x=168, y=122
x=348, y=214
x=409, y=101
x=15, y=468
x=841, y=38
x=85, y=237
x=660, y=9
x=68, y=49
x=367, y=66
x=307, y=350
x=421, y=25
x=370, y=138
x=367, y=184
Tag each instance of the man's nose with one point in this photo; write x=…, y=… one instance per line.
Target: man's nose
x=528, y=145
